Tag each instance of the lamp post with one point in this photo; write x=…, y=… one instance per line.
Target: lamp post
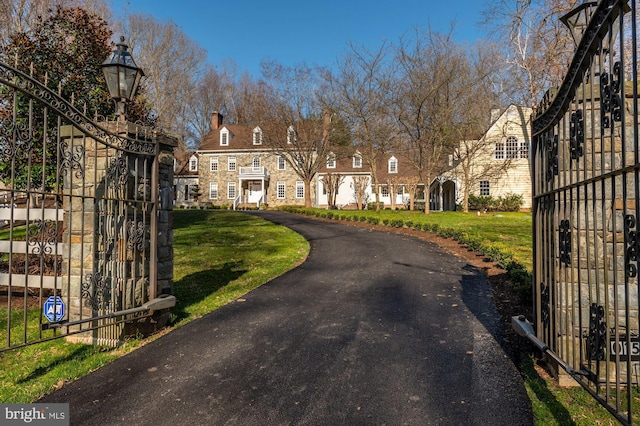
x=122, y=76
x=578, y=18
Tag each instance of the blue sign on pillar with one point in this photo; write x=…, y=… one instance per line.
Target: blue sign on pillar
x=53, y=309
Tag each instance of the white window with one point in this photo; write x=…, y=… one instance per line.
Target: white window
x=231, y=190
x=231, y=164
x=193, y=164
x=213, y=164
x=393, y=165
x=213, y=190
x=291, y=135
x=224, y=137
x=331, y=161
x=400, y=190
x=282, y=163
x=512, y=148
x=524, y=150
x=357, y=161
x=257, y=136
x=281, y=190
x=256, y=163
x=384, y=191
x=299, y=189
x=484, y=187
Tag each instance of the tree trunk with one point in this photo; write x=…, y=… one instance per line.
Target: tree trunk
x=307, y=193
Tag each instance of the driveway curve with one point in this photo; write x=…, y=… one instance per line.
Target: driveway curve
x=374, y=328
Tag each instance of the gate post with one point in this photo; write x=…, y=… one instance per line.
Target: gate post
x=118, y=235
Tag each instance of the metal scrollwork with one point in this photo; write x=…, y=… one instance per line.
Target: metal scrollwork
x=71, y=159
x=565, y=242
x=576, y=134
x=136, y=236
x=96, y=292
x=545, y=314
x=118, y=172
x=33, y=88
x=42, y=235
x=611, y=102
x=632, y=246
x=596, y=340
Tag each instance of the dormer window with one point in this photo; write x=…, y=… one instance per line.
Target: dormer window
x=331, y=161
x=393, y=165
x=257, y=136
x=224, y=137
x=291, y=135
x=357, y=161
x=193, y=164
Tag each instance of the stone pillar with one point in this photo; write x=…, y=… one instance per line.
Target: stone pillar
x=118, y=234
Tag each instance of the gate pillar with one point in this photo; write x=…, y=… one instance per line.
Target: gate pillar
x=118, y=237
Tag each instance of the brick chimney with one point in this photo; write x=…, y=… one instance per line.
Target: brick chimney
x=216, y=120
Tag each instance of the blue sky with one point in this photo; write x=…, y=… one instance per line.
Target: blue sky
x=315, y=32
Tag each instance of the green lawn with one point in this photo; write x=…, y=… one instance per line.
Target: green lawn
x=218, y=257
x=221, y=255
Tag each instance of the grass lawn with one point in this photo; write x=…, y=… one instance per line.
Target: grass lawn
x=221, y=255
x=218, y=257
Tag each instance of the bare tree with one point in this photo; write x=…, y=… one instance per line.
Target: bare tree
x=359, y=185
x=430, y=82
x=295, y=122
x=361, y=94
x=394, y=183
x=411, y=185
x=536, y=46
x=332, y=182
x=173, y=64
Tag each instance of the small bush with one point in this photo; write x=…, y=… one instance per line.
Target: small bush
x=482, y=202
x=408, y=224
x=396, y=223
x=511, y=202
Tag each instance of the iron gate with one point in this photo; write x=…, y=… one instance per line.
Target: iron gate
x=77, y=219
x=586, y=186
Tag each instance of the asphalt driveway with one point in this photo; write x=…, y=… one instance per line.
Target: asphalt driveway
x=374, y=328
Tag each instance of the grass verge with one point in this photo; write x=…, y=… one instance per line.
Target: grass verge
x=218, y=256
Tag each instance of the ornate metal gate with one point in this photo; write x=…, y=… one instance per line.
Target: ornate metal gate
x=586, y=178
x=78, y=219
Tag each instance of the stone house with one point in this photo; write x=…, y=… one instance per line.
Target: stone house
x=507, y=142
x=235, y=169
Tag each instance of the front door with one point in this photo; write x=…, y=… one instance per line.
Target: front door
x=255, y=191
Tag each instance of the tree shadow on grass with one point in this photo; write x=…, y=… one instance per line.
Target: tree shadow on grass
x=77, y=355
x=540, y=388
x=195, y=287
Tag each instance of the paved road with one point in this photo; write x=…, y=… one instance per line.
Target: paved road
x=374, y=328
